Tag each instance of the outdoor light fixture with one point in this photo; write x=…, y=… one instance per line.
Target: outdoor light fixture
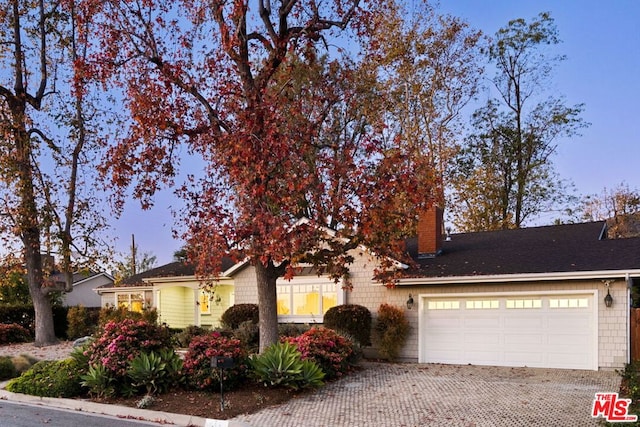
x=608, y=299
x=410, y=302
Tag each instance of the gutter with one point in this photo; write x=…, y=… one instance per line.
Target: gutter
x=522, y=277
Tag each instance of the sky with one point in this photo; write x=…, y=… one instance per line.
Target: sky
x=601, y=40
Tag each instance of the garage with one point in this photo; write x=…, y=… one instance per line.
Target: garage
x=546, y=330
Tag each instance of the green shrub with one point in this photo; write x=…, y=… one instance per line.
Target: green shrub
x=122, y=341
x=23, y=362
x=80, y=322
x=350, y=320
x=48, y=378
x=197, y=362
x=118, y=314
x=100, y=381
x=236, y=314
x=331, y=351
x=249, y=335
x=7, y=368
x=22, y=315
x=392, y=329
x=184, y=337
x=155, y=372
x=13, y=333
x=281, y=364
x=292, y=329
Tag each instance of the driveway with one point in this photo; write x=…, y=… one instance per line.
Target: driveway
x=409, y=395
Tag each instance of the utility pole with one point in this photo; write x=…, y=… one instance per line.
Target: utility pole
x=133, y=255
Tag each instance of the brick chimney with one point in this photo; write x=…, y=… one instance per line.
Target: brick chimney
x=430, y=223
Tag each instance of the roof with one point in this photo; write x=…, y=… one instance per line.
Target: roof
x=550, y=249
x=173, y=269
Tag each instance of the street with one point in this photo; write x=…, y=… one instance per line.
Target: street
x=21, y=415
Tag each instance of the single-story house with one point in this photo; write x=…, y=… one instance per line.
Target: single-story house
x=175, y=292
x=554, y=296
x=84, y=283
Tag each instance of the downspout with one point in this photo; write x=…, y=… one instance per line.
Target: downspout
x=628, y=278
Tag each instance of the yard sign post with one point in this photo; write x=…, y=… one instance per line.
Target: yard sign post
x=221, y=363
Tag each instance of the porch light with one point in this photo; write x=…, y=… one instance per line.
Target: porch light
x=410, y=302
x=608, y=300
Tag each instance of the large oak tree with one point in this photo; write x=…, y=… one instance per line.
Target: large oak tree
x=288, y=114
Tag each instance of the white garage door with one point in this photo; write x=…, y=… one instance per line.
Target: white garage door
x=551, y=331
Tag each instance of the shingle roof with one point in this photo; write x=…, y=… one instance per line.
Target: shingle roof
x=173, y=269
x=550, y=249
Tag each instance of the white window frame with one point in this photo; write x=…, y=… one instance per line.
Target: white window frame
x=303, y=281
x=128, y=295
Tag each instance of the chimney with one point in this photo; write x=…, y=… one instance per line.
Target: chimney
x=430, y=224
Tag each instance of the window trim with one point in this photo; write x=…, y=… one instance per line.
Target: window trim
x=129, y=294
x=315, y=280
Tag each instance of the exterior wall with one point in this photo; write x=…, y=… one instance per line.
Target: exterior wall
x=177, y=306
x=226, y=294
x=612, y=322
x=84, y=294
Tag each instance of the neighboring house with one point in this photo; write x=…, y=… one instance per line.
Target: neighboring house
x=175, y=292
x=83, y=292
x=528, y=297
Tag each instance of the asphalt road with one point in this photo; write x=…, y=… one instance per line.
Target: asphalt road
x=21, y=415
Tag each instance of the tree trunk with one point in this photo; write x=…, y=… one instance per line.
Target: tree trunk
x=29, y=229
x=266, y=277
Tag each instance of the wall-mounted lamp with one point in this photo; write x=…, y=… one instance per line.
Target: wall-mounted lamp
x=410, y=302
x=608, y=299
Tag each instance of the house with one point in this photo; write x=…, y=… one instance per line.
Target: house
x=553, y=297
x=83, y=293
x=175, y=292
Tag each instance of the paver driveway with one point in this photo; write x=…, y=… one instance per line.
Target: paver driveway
x=397, y=395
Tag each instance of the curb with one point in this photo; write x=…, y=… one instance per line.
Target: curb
x=122, y=412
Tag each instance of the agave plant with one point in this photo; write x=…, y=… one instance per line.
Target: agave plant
x=281, y=364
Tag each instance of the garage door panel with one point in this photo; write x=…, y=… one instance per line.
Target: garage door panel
x=554, y=332
x=482, y=322
x=524, y=339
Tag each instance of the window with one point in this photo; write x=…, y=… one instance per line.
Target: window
x=313, y=299
x=443, y=305
x=482, y=304
x=131, y=301
x=568, y=302
x=524, y=303
x=205, y=302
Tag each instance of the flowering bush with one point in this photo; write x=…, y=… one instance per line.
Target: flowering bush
x=331, y=351
x=120, y=342
x=12, y=333
x=197, y=362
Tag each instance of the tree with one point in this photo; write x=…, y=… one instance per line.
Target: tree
x=621, y=200
x=44, y=146
x=298, y=166
x=505, y=173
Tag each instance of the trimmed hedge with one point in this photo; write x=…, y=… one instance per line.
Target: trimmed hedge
x=239, y=313
x=351, y=320
x=13, y=333
x=24, y=316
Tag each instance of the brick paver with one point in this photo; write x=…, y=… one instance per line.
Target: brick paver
x=397, y=395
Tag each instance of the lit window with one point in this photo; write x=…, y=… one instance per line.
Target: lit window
x=523, y=303
x=205, y=302
x=306, y=299
x=443, y=305
x=132, y=301
x=569, y=303
x=482, y=304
